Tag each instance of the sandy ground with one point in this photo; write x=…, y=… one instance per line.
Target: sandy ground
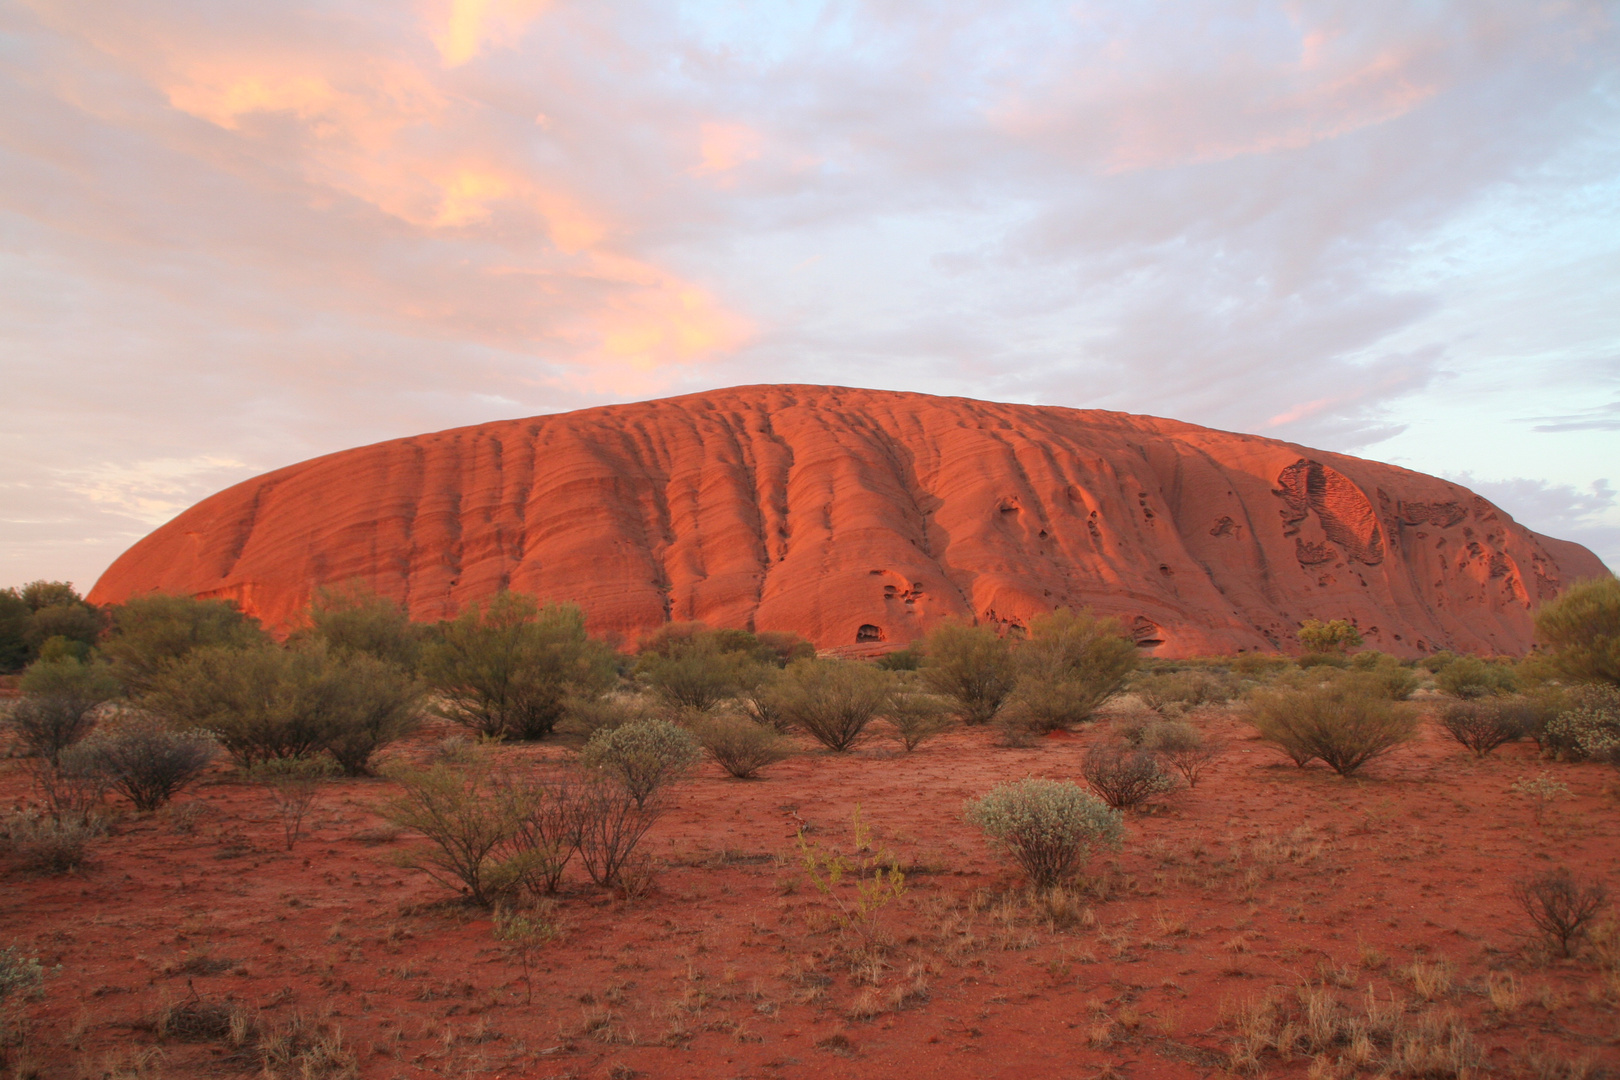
x=1261, y=878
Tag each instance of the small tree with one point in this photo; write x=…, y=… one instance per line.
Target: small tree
x=644, y=756
x=1560, y=905
x=1124, y=776
x=972, y=666
x=1049, y=827
x=1581, y=631
x=151, y=632
x=833, y=700
x=739, y=745
x=507, y=668
x=1335, y=636
x=58, y=698
x=1344, y=723
x=1070, y=664
x=293, y=784
x=145, y=762
x=1481, y=726
x=612, y=826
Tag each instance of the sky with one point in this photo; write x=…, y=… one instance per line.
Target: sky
x=234, y=236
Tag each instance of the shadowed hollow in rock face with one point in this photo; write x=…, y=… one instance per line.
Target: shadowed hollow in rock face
x=864, y=518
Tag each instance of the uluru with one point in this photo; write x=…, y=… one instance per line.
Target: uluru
x=863, y=518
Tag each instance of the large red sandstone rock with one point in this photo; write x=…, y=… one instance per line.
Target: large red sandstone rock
x=860, y=516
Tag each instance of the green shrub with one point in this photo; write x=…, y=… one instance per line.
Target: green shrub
x=51, y=845
x=1335, y=636
x=147, y=763
x=1343, y=723
x=739, y=745
x=1482, y=725
x=506, y=669
x=699, y=675
x=150, y=633
x=584, y=717
x=19, y=975
x=1070, y=664
x=1436, y=661
x=1184, y=748
x=353, y=620
x=1049, y=827
x=833, y=700
x=58, y=698
x=909, y=658
x=469, y=824
x=1172, y=691
x=643, y=755
x=1122, y=775
x=1318, y=659
x=971, y=666
x=915, y=718
x=1384, y=675
x=272, y=702
x=1469, y=677
x=1588, y=726
x=1581, y=631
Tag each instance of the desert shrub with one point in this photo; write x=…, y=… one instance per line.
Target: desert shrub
x=1258, y=666
x=739, y=745
x=1343, y=723
x=292, y=784
x=612, y=825
x=352, y=619
x=507, y=668
x=469, y=823
x=1434, y=662
x=971, y=666
x=1335, y=636
x=1122, y=775
x=1385, y=675
x=644, y=755
x=1317, y=659
x=1481, y=726
x=147, y=763
x=1588, y=726
x=69, y=788
x=584, y=717
x=699, y=675
x=909, y=658
x=915, y=718
x=1581, y=632
x=152, y=632
x=833, y=701
x=1559, y=905
x=58, y=699
x=19, y=975
x=1469, y=677
x=270, y=702
x=1172, y=691
x=548, y=816
x=1070, y=664
x=51, y=845
x=1184, y=748
x=782, y=647
x=1049, y=827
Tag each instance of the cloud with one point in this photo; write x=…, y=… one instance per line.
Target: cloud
x=259, y=232
x=1598, y=418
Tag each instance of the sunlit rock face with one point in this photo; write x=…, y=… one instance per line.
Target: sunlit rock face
x=862, y=518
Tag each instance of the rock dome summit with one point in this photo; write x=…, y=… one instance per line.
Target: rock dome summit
x=863, y=518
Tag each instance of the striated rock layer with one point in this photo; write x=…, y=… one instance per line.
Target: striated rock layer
x=864, y=518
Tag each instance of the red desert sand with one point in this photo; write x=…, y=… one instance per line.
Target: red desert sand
x=1391, y=889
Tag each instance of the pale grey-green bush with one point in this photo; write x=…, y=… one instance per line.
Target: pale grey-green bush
x=52, y=845
x=643, y=755
x=1589, y=728
x=1470, y=677
x=1049, y=827
x=145, y=762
